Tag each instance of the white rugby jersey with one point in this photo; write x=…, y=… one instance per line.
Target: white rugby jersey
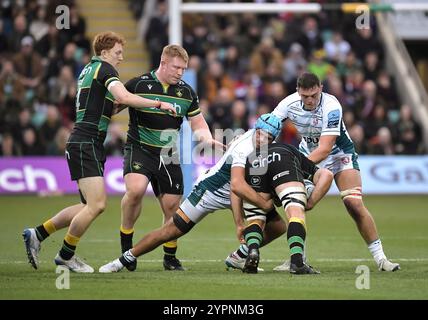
x=217, y=178
x=325, y=119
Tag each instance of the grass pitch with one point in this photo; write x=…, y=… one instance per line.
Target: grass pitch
x=334, y=247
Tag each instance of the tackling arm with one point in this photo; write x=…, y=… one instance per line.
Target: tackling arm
x=203, y=134
x=242, y=189
x=238, y=214
x=324, y=148
x=322, y=180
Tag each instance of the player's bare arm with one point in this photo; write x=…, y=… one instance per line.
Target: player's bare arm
x=322, y=180
x=124, y=97
x=242, y=189
x=203, y=134
x=324, y=148
x=238, y=214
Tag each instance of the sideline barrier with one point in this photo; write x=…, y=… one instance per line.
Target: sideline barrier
x=50, y=175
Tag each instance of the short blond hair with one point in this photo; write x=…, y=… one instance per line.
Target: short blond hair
x=174, y=50
x=106, y=41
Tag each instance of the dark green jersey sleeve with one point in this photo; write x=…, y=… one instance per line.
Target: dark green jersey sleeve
x=107, y=74
x=194, y=109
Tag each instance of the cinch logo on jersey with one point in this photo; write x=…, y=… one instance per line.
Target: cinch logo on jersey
x=177, y=108
x=261, y=162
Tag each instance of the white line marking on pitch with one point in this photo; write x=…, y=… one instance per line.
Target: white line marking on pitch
x=221, y=260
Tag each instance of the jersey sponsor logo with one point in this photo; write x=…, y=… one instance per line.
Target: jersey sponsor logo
x=281, y=174
x=144, y=77
x=177, y=108
x=333, y=119
x=177, y=186
x=311, y=140
x=179, y=92
x=255, y=180
x=261, y=162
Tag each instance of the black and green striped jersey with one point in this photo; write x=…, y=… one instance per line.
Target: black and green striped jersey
x=94, y=103
x=153, y=128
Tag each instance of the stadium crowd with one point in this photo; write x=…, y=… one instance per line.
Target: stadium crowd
x=245, y=65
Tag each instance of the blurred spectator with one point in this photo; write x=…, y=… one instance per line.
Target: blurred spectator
x=157, y=33
x=51, y=44
x=39, y=26
x=59, y=89
x=371, y=65
x=363, y=41
x=294, y=64
x=408, y=133
x=10, y=86
x=334, y=86
x=386, y=90
x=310, y=37
x=239, y=119
x=264, y=55
x=319, y=65
x=18, y=33
x=195, y=64
x=365, y=106
x=195, y=42
x=115, y=142
x=274, y=93
x=76, y=32
x=348, y=66
x=220, y=109
x=233, y=63
x=379, y=120
x=353, y=87
x=381, y=144
x=215, y=80
x=336, y=48
x=58, y=147
x=30, y=144
x=8, y=147
x=3, y=39
x=67, y=59
x=50, y=127
x=24, y=122
x=28, y=65
x=356, y=132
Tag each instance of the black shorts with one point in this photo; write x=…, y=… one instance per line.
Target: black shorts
x=164, y=173
x=85, y=157
x=281, y=164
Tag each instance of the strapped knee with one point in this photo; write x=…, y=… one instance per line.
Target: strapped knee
x=252, y=212
x=182, y=221
x=293, y=196
x=354, y=193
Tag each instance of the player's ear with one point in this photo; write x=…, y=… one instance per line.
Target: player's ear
x=103, y=53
